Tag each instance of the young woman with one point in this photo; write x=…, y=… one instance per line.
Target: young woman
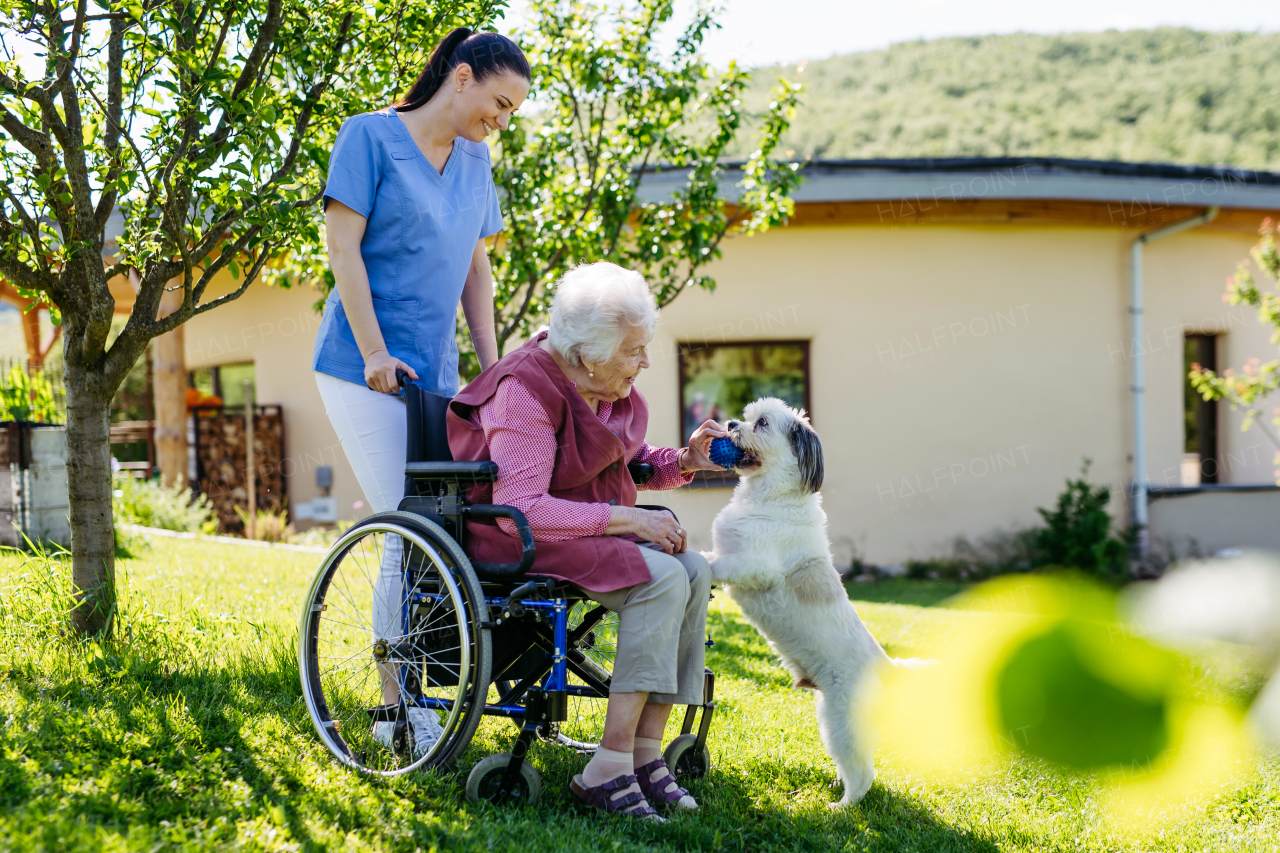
x=409, y=201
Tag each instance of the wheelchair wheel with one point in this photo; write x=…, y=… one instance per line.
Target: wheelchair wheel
x=391, y=652
x=685, y=760
x=484, y=784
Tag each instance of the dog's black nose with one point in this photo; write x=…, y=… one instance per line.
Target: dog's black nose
x=731, y=424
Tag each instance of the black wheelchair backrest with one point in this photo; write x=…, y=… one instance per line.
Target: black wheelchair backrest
x=428, y=439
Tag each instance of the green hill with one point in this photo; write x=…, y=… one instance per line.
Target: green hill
x=1167, y=95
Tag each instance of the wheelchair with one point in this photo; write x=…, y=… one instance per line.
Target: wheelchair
x=405, y=643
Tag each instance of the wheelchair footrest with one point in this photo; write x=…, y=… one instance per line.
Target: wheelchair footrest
x=395, y=713
x=385, y=713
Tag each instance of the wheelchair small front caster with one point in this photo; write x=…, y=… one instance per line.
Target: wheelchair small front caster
x=685, y=760
x=485, y=781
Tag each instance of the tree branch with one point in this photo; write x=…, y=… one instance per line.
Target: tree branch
x=128, y=137
x=248, y=74
x=30, y=227
x=113, y=111
x=14, y=270
x=28, y=137
x=265, y=254
x=73, y=159
x=77, y=27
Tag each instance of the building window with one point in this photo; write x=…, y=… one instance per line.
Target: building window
x=225, y=382
x=718, y=380
x=1200, y=416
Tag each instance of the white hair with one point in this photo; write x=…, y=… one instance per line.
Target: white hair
x=596, y=306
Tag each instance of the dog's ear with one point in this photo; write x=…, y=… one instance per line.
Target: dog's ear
x=808, y=450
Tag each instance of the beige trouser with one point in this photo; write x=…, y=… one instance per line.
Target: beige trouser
x=661, y=628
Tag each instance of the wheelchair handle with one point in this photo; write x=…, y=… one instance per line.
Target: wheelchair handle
x=527, y=548
x=402, y=378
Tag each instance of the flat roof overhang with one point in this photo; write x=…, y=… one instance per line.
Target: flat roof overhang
x=1008, y=188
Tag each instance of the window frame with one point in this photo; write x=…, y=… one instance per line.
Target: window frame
x=728, y=478
x=1206, y=411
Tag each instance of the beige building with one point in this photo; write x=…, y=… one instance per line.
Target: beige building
x=959, y=329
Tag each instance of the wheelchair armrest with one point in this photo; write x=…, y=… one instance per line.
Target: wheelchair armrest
x=466, y=473
x=527, y=548
x=641, y=472
x=659, y=509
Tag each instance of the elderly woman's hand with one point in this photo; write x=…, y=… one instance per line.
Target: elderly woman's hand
x=697, y=457
x=656, y=526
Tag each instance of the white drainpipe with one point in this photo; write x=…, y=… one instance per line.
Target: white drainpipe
x=1138, y=507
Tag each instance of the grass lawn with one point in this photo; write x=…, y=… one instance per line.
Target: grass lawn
x=189, y=732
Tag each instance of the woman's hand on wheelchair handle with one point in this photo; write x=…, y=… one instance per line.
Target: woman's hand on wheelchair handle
x=380, y=372
x=656, y=526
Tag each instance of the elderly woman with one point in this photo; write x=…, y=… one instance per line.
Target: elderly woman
x=561, y=419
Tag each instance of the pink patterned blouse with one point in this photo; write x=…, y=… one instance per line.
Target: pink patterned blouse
x=522, y=441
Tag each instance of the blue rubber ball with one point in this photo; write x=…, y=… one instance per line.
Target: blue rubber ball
x=725, y=453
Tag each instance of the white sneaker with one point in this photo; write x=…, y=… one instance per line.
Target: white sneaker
x=424, y=731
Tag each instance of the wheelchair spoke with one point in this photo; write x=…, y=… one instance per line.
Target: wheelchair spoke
x=343, y=681
x=364, y=651
x=355, y=609
x=362, y=628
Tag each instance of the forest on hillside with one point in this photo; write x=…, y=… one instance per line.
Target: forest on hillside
x=1164, y=95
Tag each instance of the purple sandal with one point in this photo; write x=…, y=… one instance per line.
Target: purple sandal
x=660, y=792
x=600, y=797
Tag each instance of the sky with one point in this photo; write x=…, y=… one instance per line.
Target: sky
x=756, y=32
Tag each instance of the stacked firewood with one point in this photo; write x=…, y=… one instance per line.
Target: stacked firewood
x=220, y=453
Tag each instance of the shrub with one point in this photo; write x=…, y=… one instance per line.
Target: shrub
x=269, y=526
x=151, y=504
x=1077, y=531
x=944, y=568
x=28, y=397
x=321, y=536
x=1077, y=534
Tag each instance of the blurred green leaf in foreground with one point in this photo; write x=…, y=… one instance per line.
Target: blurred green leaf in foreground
x=1057, y=676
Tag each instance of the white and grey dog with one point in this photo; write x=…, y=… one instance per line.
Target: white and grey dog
x=771, y=552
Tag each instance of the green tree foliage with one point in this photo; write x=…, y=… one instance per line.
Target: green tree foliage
x=1248, y=388
x=1077, y=530
x=207, y=124
x=1168, y=95
x=611, y=107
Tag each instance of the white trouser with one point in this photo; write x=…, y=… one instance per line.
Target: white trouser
x=373, y=430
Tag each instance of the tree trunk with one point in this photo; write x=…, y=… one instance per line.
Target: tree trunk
x=170, y=380
x=93, y=560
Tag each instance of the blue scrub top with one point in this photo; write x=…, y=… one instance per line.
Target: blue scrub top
x=421, y=232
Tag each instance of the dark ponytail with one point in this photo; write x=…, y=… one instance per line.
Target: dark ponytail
x=486, y=53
